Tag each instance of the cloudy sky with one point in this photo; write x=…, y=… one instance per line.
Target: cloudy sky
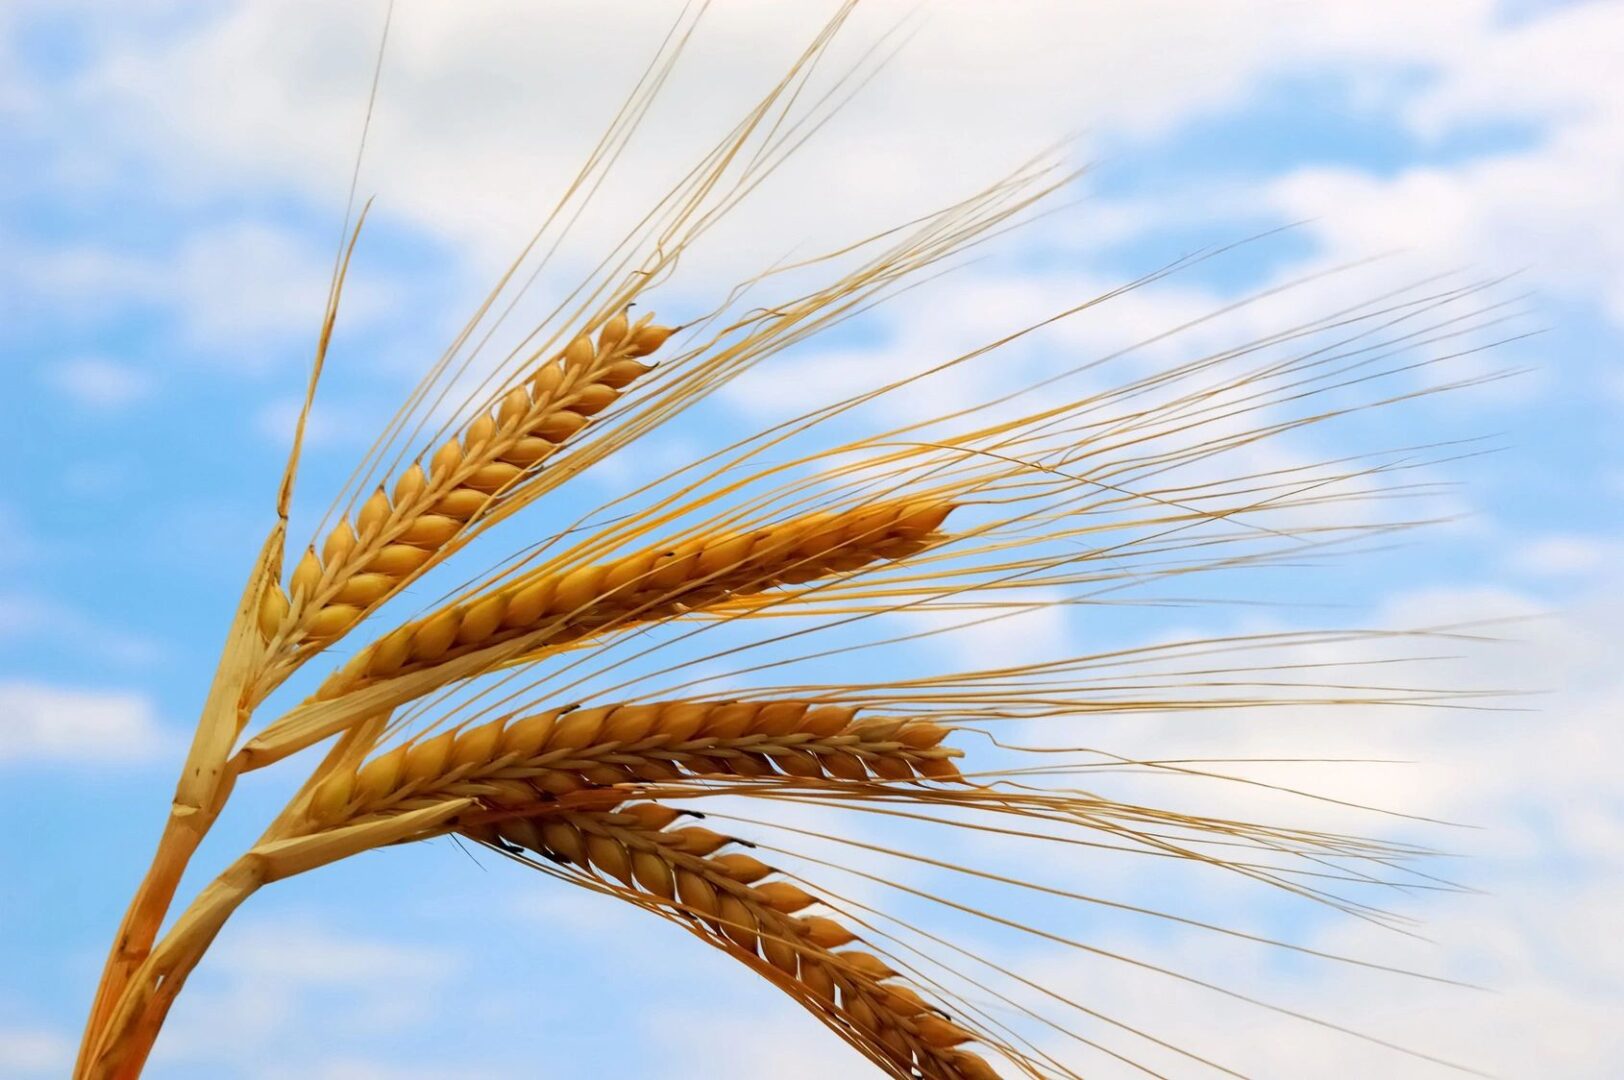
x=177, y=180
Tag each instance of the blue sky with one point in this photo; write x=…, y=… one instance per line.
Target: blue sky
x=168, y=231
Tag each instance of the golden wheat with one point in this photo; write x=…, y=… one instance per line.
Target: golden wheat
x=557, y=609
x=561, y=752
x=364, y=563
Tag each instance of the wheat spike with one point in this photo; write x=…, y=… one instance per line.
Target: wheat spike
x=733, y=901
x=563, y=751
x=365, y=561
x=660, y=582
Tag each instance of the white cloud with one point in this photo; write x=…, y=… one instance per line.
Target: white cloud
x=34, y=1052
x=243, y=291
x=98, y=383
x=252, y=282
x=68, y=725
x=1562, y=555
x=252, y=994
x=65, y=725
x=250, y=98
x=45, y=619
x=1549, y=205
x=466, y=141
x=327, y=424
x=1016, y=80
x=1538, y=786
x=299, y=953
x=1024, y=635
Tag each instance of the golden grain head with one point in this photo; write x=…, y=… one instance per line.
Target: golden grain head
x=365, y=561
x=556, y=609
x=562, y=752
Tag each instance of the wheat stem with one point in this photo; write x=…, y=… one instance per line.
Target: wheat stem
x=200, y=792
x=124, y=1042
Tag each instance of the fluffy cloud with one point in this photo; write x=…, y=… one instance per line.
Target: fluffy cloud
x=98, y=383
x=44, y=619
x=465, y=145
x=259, y=980
x=34, y=1052
x=67, y=725
x=1562, y=555
x=1546, y=846
x=240, y=291
x=1548, y=204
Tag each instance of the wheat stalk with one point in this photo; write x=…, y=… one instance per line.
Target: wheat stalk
x=1085, y=492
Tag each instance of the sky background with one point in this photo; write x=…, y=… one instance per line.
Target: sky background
x=175, y=180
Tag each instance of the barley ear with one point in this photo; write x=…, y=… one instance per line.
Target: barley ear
x=564, y=751
x=397, y=534
x=557, y=609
